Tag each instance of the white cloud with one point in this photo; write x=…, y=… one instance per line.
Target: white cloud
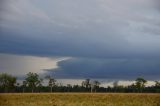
x=21, y=65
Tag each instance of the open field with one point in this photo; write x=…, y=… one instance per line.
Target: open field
x=79, y=99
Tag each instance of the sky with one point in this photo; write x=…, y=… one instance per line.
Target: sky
x=78, y=39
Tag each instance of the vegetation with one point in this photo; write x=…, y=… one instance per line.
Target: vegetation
x=7, y=82
x=51, y=82
x=33, y=80
x=33, y=83
x=79, y=99
x=140, y=84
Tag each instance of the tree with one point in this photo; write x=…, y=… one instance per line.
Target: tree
x=32, y=80
x=115, y=84
x=86, y=84
x=117, y=87
x=140, y=83
x=69, y=87
x=7, y=82
x=95, y=85
x=51, y=82
x=17, y=87
x=24, y=85
x=40, y=84
x=157, y=84
x=132, y=87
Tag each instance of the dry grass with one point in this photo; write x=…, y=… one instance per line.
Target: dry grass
x=79, y=99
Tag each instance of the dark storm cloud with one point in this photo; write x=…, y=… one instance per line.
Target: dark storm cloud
x=58, y=46
x=107, y=68
x=102, y=29
x=118, y=38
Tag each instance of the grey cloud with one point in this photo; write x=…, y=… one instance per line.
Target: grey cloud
x=107, y=38
x=107, y=68
x=157, y=4
x=107, y=29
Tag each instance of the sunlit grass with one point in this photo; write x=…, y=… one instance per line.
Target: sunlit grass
x=79, y=99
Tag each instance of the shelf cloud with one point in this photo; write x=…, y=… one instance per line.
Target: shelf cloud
x=103, y=38
x=107, y=68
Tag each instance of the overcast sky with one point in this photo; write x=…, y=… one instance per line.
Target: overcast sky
x=107, y=39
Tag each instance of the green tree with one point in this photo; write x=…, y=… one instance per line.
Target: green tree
x=51, y=82
x=7, y=82
x=32, y=80
x=140, y=84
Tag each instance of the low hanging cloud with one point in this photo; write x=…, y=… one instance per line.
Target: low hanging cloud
x=107, y=68
x=103, y=38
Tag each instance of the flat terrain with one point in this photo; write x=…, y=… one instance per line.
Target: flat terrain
x=79, y=99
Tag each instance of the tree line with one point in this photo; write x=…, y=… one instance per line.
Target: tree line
x=33, y=83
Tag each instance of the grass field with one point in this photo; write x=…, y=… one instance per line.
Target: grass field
x=79, y=99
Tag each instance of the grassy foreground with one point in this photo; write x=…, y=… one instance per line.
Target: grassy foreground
x=79, y=99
